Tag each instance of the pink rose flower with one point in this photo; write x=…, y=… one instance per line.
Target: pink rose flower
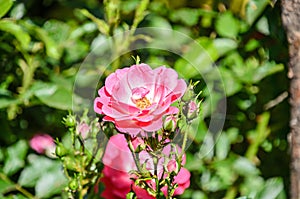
x=118, y=162
x=42, y=143
x=136, y=98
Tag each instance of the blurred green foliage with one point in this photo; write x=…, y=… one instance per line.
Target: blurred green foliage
x=44, y=43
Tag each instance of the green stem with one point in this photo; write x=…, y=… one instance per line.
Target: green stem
x=155, y=163
x=185, y=136
x=17, y=187
x=135, y=158
x=231, y=193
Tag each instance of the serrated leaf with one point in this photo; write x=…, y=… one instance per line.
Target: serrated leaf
x=16, y=30
x=5, y=6
x=15, y=157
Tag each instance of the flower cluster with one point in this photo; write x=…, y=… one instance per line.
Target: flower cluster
x=142, y=161
x=119, y=162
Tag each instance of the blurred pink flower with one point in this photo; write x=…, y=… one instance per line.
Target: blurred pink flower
x=118, y=162
x=136, y=98
x=42, y=143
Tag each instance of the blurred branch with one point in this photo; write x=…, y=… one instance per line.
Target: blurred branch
x=16, y=187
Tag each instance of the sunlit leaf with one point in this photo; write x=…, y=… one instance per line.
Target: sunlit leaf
x=227, y=25
x=254, y=8
x=245, y=167
x=5, y=6
x=16, y=30
x=272, y=189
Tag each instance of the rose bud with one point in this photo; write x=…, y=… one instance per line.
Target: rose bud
x=172, y=166
x=170, y=123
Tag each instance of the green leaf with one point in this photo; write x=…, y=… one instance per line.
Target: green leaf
x=254, y=9
x=245, y=167
x=51, y=46
x=53, y=95
x=50, y=183
x=206, y=150
x=224, y=45
x=272, y=189
x=187, y=16
x=222, y=146
x=227, y=26
x=200, y=56
x=265, y=70
x=4, y=185
x=57, y=30
x=76, y=50
x=199, y=195
x=263, y=26
x=231, y=84
x=5, y=102
x=15, y=157
x=18, y=11
x=16, y=30
x=103, y=27
x=5, y=6
x=38, y=166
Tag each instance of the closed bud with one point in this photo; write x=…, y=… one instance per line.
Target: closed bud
x=73, y=184
x=60, y=150
x=189, y=93
x=69, y=121
x=170, y=123
x=172, y=166
x=192, y=110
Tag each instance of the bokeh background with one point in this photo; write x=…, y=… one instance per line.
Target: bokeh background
x=43, y=44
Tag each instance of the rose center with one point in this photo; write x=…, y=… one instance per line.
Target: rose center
x=142, y=103
x=139, y=98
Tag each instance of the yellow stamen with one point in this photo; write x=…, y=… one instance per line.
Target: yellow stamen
x=142, y=103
